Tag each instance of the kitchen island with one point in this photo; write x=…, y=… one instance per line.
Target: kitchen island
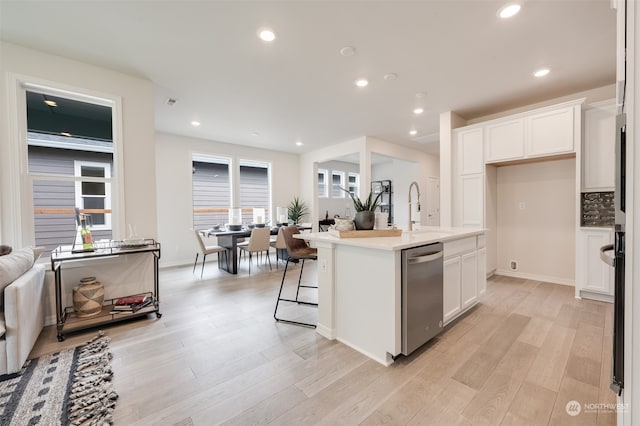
x=360, y=284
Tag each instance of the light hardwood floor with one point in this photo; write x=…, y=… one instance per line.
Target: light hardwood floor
x=217, y=357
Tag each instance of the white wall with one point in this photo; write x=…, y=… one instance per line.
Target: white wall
x=136, y=95
x=137, y=131
x=540, y=237
x=428, y=165
x=401, y=173
x=175, y=208
x=337, y=205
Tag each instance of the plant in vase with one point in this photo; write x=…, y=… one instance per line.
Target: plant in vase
x=297, y=209
x=365, y=210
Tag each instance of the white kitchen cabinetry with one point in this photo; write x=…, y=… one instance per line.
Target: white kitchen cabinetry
x=550, y=132
x=504, y=140
x=470, y=152
x=463, y=281
x=598, y=147
x=451, y=300
x=472, y=200
x=595, y=278
x=469, y=279
x=482, y=271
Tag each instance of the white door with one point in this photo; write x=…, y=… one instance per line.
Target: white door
x=433, y=201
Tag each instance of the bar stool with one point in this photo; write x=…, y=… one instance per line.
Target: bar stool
x=297, y=251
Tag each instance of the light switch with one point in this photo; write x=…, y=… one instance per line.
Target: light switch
x=522, y=205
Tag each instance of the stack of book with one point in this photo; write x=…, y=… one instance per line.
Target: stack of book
x=131, y=304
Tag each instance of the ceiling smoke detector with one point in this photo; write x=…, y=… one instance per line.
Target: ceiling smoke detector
x=171, y=101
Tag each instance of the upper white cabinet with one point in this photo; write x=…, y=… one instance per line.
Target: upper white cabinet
x=598, y=147
x=505, y=140
x=470, y=152
x=550, y=132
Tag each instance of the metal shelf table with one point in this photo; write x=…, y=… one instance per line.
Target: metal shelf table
x=67, y=320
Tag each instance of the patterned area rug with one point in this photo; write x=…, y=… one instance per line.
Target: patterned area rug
x=68, y=387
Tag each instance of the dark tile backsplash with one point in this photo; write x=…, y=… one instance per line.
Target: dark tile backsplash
x=597, y=209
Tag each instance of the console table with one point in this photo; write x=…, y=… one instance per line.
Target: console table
x=67, y=320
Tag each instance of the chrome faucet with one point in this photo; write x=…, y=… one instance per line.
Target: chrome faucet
x=411, y=222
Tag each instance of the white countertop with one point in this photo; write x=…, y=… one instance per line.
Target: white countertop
x=422, y=236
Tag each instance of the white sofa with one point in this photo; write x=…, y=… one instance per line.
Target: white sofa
x=21, y=316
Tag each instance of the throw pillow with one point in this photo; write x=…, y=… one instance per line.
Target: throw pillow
x=4, y=250
x=14, y=265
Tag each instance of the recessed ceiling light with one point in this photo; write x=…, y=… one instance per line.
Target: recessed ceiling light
x=413, y=132
x=418, y=111
x=195, y=123
x=541, y=72
x=299, y=143
x=67, y=134
x=51, y=103
x=391, y=76
x=420, y=95
x=266, y=34
x=362, y=82
x=348, y=51
x=508, y=10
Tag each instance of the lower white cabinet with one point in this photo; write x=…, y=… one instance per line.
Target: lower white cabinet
x=482, y=271
x=469, y=278
x=464, y=270
x=595, y=278
x=451, y=301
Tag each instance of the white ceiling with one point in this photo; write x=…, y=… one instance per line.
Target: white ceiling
x=207, y=55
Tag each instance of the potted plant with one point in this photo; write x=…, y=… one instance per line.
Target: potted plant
x=297, y=209
x=365, y=210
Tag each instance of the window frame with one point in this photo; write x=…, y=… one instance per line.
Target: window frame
x=77, y=167
x=19, y=227
x=323, y=192
x=356, y=184
x=341, y=193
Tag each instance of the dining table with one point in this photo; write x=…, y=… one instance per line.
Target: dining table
x=230, y=239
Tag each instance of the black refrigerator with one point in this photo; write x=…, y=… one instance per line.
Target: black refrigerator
x=617, y=376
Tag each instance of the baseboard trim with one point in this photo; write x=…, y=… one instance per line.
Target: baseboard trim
x=326, y=332
x=592, y=295
x=535, y=277
x=385, y=362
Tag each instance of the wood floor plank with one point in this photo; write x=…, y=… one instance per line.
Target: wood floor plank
x=217, y=356
x=572, y=391
x=492, y=400
x=548, y=368
x=532, y=406
x=536, y=331
x=475, y=372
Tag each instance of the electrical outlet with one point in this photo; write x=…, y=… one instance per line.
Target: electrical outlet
x=522, y=205
x=514, y=265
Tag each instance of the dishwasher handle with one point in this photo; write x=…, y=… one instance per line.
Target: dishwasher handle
x=603, y=256
x=426, y=258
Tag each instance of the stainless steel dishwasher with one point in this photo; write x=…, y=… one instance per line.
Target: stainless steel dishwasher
x=421, y=295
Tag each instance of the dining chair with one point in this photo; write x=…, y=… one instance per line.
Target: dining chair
x=297, y=251
x=280, y=247
x=258, y=243
x=205, y=250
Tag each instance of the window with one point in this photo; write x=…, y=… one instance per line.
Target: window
x=70, y=159
x=254, y=188
x=323, y=187
x=94, y=195
x=211, y=190
x=337, y=182
x=354, y=184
